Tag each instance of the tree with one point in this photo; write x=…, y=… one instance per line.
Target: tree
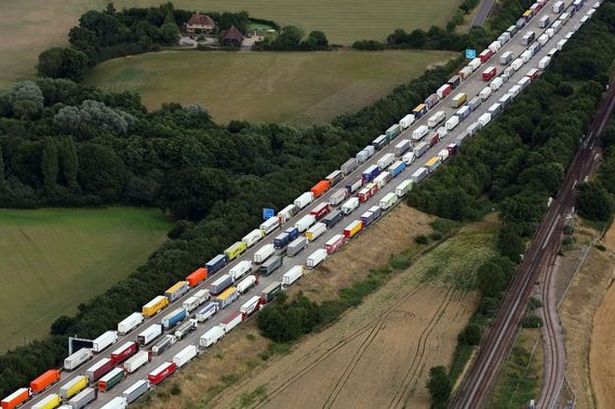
x=439, y=387
x=2, y=180
x=69, y=163
x=289, y=38
x=169, y=33
x=471, y=334
x=101, y=172
x=490, y=279
x=25, y=100
x=59, y=62
x=398, y=36
x=417, y=39
x=61, y=325
x=49, y=163
x=50, y=62
x=317, y=40
x=510, y=243
x=594, y=202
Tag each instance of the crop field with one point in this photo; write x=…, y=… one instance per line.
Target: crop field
x=55, y=259
x=265, y=87
x=408, y=325
x=27, y=27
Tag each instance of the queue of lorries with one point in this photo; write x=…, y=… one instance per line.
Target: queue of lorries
x=157, y=338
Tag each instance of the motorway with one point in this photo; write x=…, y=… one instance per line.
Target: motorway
x=471, y=87
x=500, y=336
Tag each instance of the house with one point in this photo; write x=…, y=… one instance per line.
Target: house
x=231, y=37
x=200, y=23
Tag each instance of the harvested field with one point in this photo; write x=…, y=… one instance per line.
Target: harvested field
x=577, y=313
x=427, y=317
x=296, y=88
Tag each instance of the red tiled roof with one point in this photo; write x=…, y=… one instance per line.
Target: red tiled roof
x=199, y=19
x=232, y=33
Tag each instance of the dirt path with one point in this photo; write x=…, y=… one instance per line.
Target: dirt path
x=378, y=356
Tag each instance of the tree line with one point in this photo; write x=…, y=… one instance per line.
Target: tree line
x=108, y=34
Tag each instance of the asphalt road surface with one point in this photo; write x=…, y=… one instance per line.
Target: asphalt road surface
x=471, y=87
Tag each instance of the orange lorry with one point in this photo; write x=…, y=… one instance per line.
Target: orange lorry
x=45, y=380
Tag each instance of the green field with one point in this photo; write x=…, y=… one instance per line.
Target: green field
x=269, y=87
x=55, y=259
x=27, y=27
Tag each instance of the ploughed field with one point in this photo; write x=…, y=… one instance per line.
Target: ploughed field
x=27, y=27
x=291, y=87
x=55, y=259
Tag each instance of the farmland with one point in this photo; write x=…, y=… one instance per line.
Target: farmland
x=27, y=27
x=55, y=259
x=268, y=87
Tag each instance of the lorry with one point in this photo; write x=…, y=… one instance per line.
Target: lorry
x=349, y=166
x=240, y=269
x=263, y=253
x=403, y=188
x=463, y=112
x=431, y=100
x=474, y=64
x=235, y=250
x=48, y=402
x=489, y=73
x=179, y=289
x=45, y=380
x=155, y=306
x=316, y=258
x=451, y=123
x=396, y=168
x=544, y=62
x=350, y=205
x=434, y=163
x=104, y=340
x=518, y=63
x=402, y=146
x=381, y=180
x=485, y=55
x=436, y=119
x=557, y=7
x=83, y=398
x=433, y=138
x=370, y=173
x=247, y=283
x=388, y=201
x=408, y=158
x=367, y=192
x=333, y=218
x=185, y=329
x=16, y=398
x=367, y=218
x=119, y=402
x=485, y=93
x=207, y=311
x=419, y=174
x=305, y=223
x=304, y=200
x=496, y=83
x=211, y=336
x=392, y=132
x=385, y=161
x=253, y=237
x=474, y=103
x=111, y=379
x=315, y=231
x=218, y=262
x=321, y=210
x=163, y=344
x=296, y=246
x=271, y=223
x=420, y=132
x=185, y=355
x=271, y=264
x=475, y=127
x=231, y=322
x=494, y=47
x=354, y=186
x=96, y=371
x=334, y=177
x=380, y=142
x=161, y=373
x=338, y=197
x=406, y=121
x=506, y=58
x=419, y=111
x=173, y=318
x=454, y=81
x=73, y=361
x=226, y=297
x=444, y=91
x=136, y=390
x=464, y=73
x=149, y=334
x=124, y=351
x=288, y=213
x=484, y=119
x=544, y=21
x=220, y=284
x=334, y=243
x=129, y=323
x=292, y=275
x=443, y=154
x=197, y=276
x=495, y=109
x=528, y=38
x=250, y=307
x=270, y=292
x=320, y=188
x=196, y=300
x=364, y=154
x=137, y=361
x=353, y=229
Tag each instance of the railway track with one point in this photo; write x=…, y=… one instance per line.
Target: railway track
x=499, y=338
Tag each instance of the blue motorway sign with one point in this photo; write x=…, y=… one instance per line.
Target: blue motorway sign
x=268, y=213
x=470, y=53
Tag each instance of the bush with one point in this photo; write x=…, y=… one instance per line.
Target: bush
x=421, y=239
x=531, y=321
